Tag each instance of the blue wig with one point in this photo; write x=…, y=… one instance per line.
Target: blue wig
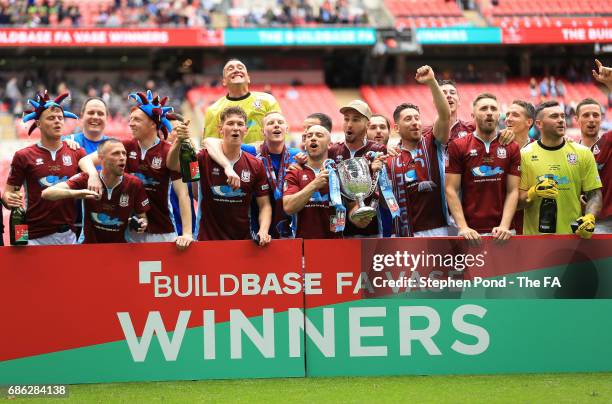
x=156, y=110
x=43, y=102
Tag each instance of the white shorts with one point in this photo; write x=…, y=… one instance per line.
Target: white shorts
x=67, y=237
x=438, y=232
x=135, y=237
x=604, y=227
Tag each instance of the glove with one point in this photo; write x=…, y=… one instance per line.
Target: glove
x=586, y=226
x=546, y=188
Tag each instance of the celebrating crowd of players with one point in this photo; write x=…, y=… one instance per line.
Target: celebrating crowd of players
x=448, y=178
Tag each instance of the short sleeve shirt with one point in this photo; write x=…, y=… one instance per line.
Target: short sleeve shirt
x=224, y=213
x=572, y=166
x=484, y=169
x=106, y=219
x=314, y=221
x=37, y=168
x=150, y=167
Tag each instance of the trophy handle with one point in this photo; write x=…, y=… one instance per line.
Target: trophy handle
x=374, y=183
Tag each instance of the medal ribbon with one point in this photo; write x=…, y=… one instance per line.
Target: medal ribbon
x=277, y=186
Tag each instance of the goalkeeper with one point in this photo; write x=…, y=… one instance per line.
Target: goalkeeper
x=552, y=168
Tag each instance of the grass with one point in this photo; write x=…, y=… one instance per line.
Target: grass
x=532, y=388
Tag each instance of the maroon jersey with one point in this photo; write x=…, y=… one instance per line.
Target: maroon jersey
x=339, y=152
x=417, y=184
x=484, y=170
x=224, y=213
x=517, y=220
x=37, y=169
x=106, y=219
x=602, y=150
x=315, y=219
x=458, y=130
x=150, y=168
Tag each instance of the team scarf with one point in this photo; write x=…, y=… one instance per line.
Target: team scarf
x=386, y=189
x=276, y=182
x=335, y=195
x=424, y=186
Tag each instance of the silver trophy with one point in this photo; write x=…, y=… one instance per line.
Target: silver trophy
x=357, y=184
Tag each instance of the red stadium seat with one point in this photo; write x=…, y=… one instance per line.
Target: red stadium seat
x=384, y=99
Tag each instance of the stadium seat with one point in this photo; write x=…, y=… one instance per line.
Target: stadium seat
x=384, y=99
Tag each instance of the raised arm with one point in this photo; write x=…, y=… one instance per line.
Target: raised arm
x=441, y=128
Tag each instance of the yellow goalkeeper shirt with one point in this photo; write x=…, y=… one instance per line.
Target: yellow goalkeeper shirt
x=255, y=104
x=572, y=166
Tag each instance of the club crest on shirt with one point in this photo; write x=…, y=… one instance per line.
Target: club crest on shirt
x=304, y=177
x=257, y=104
x=124, y=200
x=572, y=158
x=215, y=171
x=156, y=163
x=39, y=162
x=462, y=134
x=67, y=160
x=133, y=155
x=245, y=176
x=596, y=150
x=501, y=153
x=473, y=153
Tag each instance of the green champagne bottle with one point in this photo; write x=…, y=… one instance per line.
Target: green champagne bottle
x=18, y=227
x=190, y=169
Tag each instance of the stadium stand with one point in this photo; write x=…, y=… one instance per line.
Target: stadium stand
x=418, y=13
x=297, y=102
x=547, y=13
x=384, y=99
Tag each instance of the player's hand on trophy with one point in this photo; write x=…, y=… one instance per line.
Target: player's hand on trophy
x=603, y=74
x=233, y=180
x=424, y=74
x=378, y=163
x=506, y=136
x=360, y=222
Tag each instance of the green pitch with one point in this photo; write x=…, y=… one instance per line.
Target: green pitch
x=537, y=388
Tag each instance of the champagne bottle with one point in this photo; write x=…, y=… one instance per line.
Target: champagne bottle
x=18, y=227
x=548, y=214
x=190, y=169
